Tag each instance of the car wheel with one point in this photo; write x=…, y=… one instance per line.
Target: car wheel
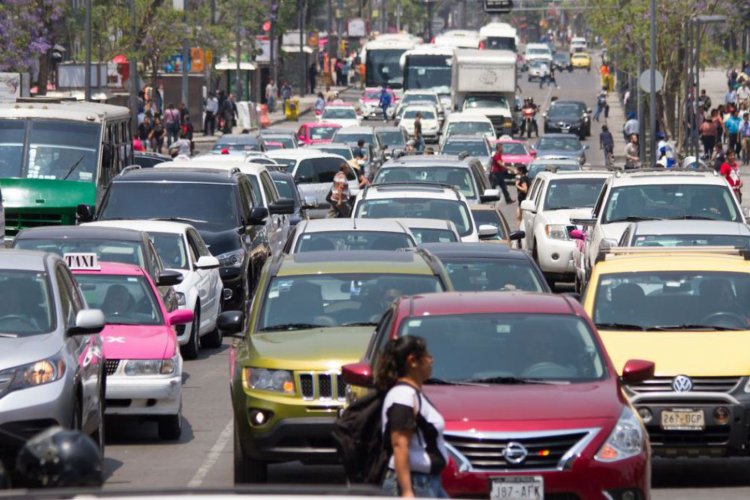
x=170, y=426
x=99, y=434
x=76, y=422
x=213, y=339
x=247, y=470
x=190, y=350
x=529, y=78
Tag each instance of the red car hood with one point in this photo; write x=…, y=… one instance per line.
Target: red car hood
x=138, y=342
x=525, y=405
x=525, y=159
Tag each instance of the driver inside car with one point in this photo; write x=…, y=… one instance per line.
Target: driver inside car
x=117, y=301
x=544, y=352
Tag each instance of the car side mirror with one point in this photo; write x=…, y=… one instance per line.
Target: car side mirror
x=583, y=218
x=517, y=235
x=207, y=262
x=258, y=215
x=181, y=317
x=309, y=202
x=230, y=322
x=283, y=206
x=588, y=110
x=88, y=322
x=533, y=153
x=359, y=374
x=585, y=147
x=528, y=206
x=294, y=220
x=487, y=232
x=637, y=370
x=490, y=195
x=84, y=213
x=169, y=278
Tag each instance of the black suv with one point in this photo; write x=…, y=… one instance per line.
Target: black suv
x=221, y=206
x=568, y=117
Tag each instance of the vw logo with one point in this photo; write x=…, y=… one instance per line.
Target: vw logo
x=515, y=453
x=682, y=383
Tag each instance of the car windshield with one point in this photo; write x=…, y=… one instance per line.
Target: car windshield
x=472, y=102
x=319, y=170
x=499, y=348
x=419, y=208
x=352, y=240
x=286, y=188
x=572, y=193
x=345, y=152
x=171, y=250
x=49, y=149
x=565, y=111
x=336, y=299
x=420, y=97
x=26, y=307
x=538, y=52
x=203, y=204
x=671, y=201
x=431, y=235
x=559, y=144
x=237, y=146
x=474, y=148
x=514, y=148
x=673, y=300
x=392, y=138
x=470, y=128
x=458, y=177
x=287, y=142
x=411, y=114
x=537, y=63
x=535, y=168
x=353, y=138
x=124, y=300
x=481, y=275
x=125, y=252
x=691, y=240
x=373, y=94
x=561, y=57
x=322, y=133
x=492, y=218
x=342, y=113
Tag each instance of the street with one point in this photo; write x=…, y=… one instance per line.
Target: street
x=202, y=458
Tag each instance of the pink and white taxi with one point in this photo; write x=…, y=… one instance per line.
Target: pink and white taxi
x=139, y=344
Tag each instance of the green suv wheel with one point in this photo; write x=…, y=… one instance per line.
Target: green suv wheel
x=247, y=470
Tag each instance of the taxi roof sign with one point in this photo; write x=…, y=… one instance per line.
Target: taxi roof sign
x=82, y=260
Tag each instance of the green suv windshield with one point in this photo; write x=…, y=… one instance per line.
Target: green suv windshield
x=49, y=149
x=336, y=300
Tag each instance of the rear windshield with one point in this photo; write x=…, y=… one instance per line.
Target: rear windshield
x=125, y=252
x=26, y=307
x=319, y=170
x=353, y=240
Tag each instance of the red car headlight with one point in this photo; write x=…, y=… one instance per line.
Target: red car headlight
x=626, y=439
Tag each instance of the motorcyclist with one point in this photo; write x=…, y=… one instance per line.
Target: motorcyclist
x=528, y=111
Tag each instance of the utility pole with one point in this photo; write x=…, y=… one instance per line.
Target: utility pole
x=430, y=7
x=185, y=53
x=641, y=120
x=383, y=16
x=272, y=38
x=652, y=79
x=87, y=69
x=238, y=56
x=302, y=56
x=340, y=20
x=331, y=46
x=399, y=12
x=133, y=100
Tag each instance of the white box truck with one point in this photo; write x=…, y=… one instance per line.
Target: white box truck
x=484, y=82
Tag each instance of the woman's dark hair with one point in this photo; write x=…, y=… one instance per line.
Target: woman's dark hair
x=605, y=128
x=391, y=364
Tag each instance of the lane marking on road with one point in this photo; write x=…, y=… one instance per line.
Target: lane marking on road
x=212, y=457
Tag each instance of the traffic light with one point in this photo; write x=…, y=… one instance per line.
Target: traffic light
x=498, y=6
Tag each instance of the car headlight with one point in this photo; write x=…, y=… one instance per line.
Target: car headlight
x=181, y=301
x=33, y=374
x=268, y=380
x=136, y=367
x=232, y=259
x=556, y=231
x=626, y=439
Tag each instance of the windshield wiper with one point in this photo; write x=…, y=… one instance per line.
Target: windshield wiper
x=291, y=326
x=516, y=380
x=177, y=219
x=634, y=218
x=74, y=167
x=692, y=217
x=9, y=335
x=666, y=328
x=619, y=326
x=441, y=381
x=360, y=323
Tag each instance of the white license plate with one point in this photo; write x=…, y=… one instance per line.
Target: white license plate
x=683, y=420
x=517, y=488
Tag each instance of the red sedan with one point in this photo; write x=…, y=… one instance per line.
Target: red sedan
x=516, y=152
x=532, y=404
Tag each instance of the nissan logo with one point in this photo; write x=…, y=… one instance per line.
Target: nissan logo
x=515, y=453
x=682, y=383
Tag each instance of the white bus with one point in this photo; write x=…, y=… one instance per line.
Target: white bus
x=56, y=155
x=460, y=39
x=428, y=67
x=382, y=58
x=499, y=36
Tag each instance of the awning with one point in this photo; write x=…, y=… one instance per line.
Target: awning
x=294, y=49
x=232, y=66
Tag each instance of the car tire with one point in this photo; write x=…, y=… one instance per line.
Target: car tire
x=76, y=421
x=99, y=434
x=529, y=78
x=247, y=470
x=213, y=339
x=190, y=350
x=170, y=426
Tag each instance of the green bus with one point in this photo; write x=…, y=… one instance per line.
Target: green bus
x=56, y=155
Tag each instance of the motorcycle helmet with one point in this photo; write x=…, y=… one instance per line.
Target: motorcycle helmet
x=57, y=458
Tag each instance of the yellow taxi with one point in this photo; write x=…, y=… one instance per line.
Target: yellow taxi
x=581, y=60
x=685, y=309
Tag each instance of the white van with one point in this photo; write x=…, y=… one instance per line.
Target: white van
x=538, y=51
x=578, y=44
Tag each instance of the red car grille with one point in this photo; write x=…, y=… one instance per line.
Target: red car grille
x=487, y=453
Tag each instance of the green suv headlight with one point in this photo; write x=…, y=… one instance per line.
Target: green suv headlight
x=268, y=380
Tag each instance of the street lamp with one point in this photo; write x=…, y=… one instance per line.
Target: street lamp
x=430, y=8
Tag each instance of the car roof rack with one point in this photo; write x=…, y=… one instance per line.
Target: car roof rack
x=663, y=170
x=628, y=251
x=130, y=168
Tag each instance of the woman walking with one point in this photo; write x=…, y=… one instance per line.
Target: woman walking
x=412, y=426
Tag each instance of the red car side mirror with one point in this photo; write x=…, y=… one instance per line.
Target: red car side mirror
x=637, y=370
x=358, y=374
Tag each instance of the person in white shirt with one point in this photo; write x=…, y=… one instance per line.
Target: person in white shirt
x=212, y=107
x=180, y=147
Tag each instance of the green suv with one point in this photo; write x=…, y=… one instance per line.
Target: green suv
x=312, y=313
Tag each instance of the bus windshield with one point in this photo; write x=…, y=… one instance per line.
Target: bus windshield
x=383, y=67
x=428, y=72
x=49, y=149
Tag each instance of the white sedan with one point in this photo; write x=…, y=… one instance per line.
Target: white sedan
x=182, y=249
x=346, y=116
x=430, y=121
